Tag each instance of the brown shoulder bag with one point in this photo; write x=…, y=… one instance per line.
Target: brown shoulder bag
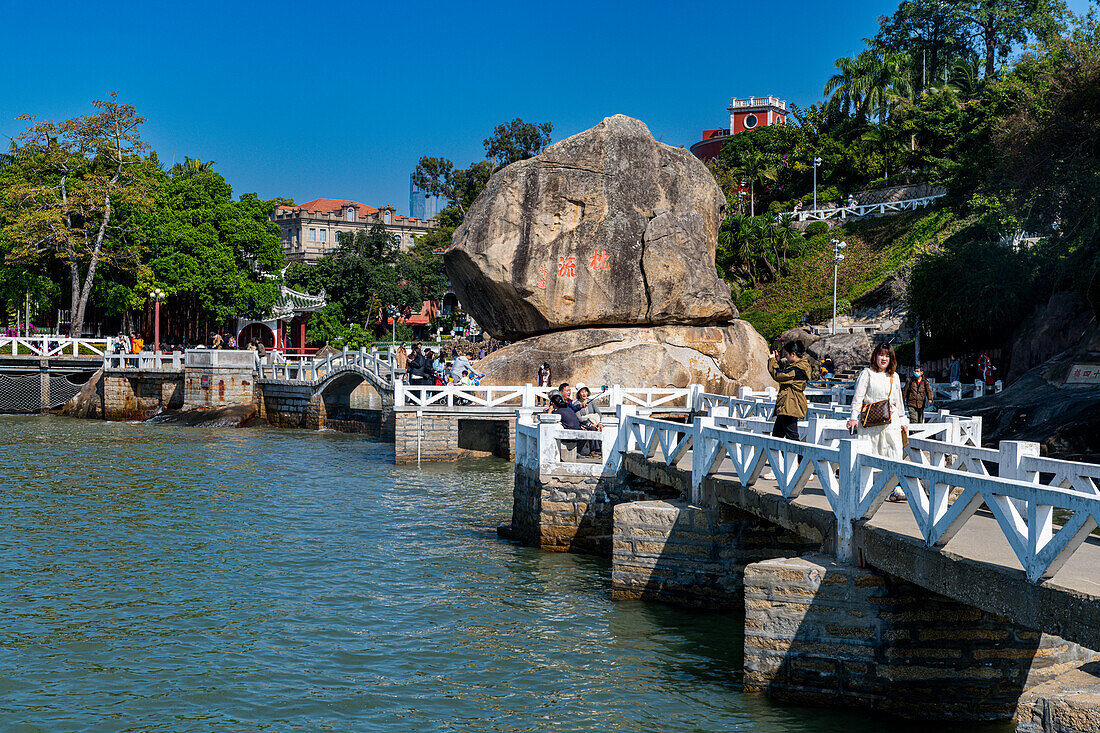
x=873, y=414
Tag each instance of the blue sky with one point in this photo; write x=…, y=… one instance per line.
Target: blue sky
x=340, y=100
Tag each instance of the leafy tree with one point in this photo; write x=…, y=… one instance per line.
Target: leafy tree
x=191, y=166
x=214, y=256
x=75, y=176
x=509, y=143
x=997, y=25
x=518, y=140
x=756, y=167
x=930, y=32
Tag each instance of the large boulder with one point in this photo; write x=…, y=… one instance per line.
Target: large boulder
x=847, y=350
x=722, y=359
x=608, y=227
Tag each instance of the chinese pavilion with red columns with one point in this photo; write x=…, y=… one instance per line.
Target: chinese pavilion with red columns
x=285, y=328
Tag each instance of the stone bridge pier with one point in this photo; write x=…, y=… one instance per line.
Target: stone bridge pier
x=348, y=401
x=816, y=631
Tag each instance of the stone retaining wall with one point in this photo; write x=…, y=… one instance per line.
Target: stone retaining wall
x=442, y=436
x=674, y=552
x=218, y=386
x=282, y=403
x=571, y=514
x=823, y=633
x=139, y=396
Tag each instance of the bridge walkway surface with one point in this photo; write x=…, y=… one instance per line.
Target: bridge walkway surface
x=977, y=567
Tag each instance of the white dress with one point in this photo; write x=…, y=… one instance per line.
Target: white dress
x=872, y=386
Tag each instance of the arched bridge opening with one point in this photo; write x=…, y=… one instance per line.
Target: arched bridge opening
x=353, y=400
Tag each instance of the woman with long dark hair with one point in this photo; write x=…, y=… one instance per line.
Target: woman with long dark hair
x=879, y=383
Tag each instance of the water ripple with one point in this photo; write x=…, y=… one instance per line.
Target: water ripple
x=163, y=578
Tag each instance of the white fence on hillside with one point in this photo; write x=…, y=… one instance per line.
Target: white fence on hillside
x=859, y=210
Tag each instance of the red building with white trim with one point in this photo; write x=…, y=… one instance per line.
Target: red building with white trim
x=745, y=114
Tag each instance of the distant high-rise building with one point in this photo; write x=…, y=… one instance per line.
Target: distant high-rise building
x=422, y=205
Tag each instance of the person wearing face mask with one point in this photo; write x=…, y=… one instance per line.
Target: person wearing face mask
x=918, y=396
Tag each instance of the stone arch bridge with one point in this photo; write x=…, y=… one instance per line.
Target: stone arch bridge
x=351, y=391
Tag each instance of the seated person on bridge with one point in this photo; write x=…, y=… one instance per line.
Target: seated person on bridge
x=569, y=421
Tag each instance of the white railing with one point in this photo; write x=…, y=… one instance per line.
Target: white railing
x=545, y=447
x=47, y=346
x=857, y=210
x=957, y=390
x=146, y=361
x=945, y=482
x=509, y=397
x=736, y=103
x=314, y=370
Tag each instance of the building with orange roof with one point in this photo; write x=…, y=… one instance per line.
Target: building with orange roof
x=310, y=230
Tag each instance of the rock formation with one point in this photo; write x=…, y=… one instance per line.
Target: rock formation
x=599, y=255
x=719, y=358
x=608, y=227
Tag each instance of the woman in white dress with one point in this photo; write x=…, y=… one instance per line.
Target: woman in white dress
x=877, y=382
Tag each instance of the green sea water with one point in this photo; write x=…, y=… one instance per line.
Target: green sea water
x=162, y=578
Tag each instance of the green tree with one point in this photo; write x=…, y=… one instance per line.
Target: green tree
x=997, y=25
x=517, y=140
x=214, y=256
x=511, y=142
x=756, y=167
x=930, y=32
x=75, y=176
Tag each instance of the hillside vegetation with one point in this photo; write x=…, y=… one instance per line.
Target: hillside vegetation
x=877, y=250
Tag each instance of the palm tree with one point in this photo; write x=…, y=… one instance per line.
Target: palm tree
x=756, y=166
x=965, y=78
x=786, y=232
x=846, y=86
x=190, y=167
x=891, y=140
x=887, y=83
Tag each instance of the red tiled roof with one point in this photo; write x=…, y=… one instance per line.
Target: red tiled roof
x=331, y=206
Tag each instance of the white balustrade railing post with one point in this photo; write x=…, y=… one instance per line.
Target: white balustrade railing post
x=609, y=444
x=616, y=396
x=998, y=386
x=399, y=394
x=814, y=429
x=694, y=400
x=955, y=392
x=744, y=393
x=1010, y=466
x=549, y=451
x=848, y=495
x=626, y=413
x=979, y=388
x=528, y=398
x=699, y=467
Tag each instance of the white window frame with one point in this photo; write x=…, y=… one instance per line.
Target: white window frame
x=312, y=234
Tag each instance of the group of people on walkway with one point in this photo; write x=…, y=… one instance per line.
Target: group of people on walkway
x=882, y=410
x=421, y=366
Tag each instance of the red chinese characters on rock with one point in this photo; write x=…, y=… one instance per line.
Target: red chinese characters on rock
x=541, y=282
x=601, y=260
x=567, y=267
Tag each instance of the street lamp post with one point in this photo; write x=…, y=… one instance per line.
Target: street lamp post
x=158, y=295
x=837, y=257
x=817, y=162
